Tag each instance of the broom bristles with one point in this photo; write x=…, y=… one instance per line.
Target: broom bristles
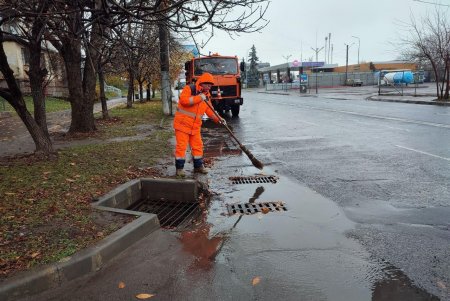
x=257, y=164
x=252, y=158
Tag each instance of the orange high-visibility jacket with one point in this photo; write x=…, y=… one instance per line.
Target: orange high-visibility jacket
x=191, y=108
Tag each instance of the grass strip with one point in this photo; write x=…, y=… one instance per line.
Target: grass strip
x=45, y=211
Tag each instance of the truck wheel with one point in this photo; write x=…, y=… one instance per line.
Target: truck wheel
x=235, y=110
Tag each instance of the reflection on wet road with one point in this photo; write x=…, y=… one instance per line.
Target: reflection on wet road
x=303, y=253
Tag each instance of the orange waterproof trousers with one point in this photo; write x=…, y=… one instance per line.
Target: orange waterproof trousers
x=182, y=141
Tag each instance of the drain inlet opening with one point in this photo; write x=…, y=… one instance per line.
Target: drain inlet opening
x=254, y=180
x=171, y=214
x=252, y=208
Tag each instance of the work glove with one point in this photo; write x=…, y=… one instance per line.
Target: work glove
x=204, y=97
x=222, y=121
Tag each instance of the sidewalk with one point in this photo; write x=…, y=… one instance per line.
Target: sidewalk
x=15, y=138
x=423, y=95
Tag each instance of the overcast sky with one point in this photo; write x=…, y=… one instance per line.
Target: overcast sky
x=295, y=24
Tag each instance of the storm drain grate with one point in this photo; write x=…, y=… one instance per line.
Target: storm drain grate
x=171, y=214
x=254, y=179
x=252, y=208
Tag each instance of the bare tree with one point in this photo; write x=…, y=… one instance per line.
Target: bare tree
x=14, y=96
x=28, y=32
x=429, y=40
x=76, y=28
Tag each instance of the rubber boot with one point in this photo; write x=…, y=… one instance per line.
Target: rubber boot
x=201, y=170
x=179, y=165
x=198, y=166
x=180, y=173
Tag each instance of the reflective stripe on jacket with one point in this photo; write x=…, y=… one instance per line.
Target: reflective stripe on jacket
x=191, y=108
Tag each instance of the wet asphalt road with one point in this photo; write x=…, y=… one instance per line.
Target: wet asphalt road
x=366, y=185
x=386, y=165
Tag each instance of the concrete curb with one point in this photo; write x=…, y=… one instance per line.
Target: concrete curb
x=420, y=102
x=81, y=263
x=93, y=258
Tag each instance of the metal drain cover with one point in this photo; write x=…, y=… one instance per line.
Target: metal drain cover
x=171, y=214
x=252, y=208
x=254, y=179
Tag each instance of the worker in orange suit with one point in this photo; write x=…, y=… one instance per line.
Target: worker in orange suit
x=188, y=121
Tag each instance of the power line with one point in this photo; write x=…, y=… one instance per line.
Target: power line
x=434, y=3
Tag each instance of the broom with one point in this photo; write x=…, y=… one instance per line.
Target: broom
x=252, y=158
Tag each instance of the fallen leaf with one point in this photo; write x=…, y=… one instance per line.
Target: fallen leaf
x=35, y=254
x=265, y=210
x=441, y=284
x=70, y=180
x=144, y=296
x=72, y=164
x=10, y=193
x=256, y=280
x=121, y=284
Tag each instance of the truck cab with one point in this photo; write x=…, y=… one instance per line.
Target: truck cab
x=226, y=92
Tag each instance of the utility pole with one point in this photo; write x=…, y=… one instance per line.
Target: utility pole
x=346, y=65
x=359, y=44
x=317, y=50
x=326, y=42
x=329, y=47
x=331, y=59
x=301, y=51
x=288, y=70
x=166, y=96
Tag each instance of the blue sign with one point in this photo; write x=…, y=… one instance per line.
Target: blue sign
x=304, y=78
x=191, y=48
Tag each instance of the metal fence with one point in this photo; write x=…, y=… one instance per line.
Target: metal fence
x=113, y=89
x=330, y=79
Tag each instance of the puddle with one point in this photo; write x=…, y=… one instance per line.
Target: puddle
x=304, y=251
x=204, y=248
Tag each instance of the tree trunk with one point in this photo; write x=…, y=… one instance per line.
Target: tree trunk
x=141, y=91
x=436, y=75
x=90, y=70
x=130, y=88
x=37, y=75
x=101, y=79
x=153, y=92
x=148, y=91
x=447, y=86
x=164, y=62
x=82, y=117
x=14, y=97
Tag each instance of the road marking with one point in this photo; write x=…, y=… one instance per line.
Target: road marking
x=422, y=152
x=395, y=128
x=307, y=122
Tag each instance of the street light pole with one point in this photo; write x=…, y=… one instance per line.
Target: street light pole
x=317, y=50
x=359, y=44
x=247, y=67
x=287, y=57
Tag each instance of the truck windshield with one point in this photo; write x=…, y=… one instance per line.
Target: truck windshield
x=215, y=66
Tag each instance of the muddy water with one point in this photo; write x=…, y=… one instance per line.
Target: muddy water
x=303, y=253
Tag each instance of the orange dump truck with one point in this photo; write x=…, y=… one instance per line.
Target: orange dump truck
x=226, y=92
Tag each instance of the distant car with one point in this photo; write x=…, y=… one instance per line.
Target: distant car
x=354, y=82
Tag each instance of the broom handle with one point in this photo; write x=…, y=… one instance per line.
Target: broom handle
x=226, y=126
